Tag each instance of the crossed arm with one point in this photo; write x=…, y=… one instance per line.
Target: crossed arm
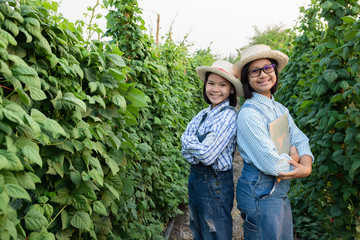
x=301, y=165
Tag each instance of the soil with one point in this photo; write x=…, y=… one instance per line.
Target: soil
x=181, y=224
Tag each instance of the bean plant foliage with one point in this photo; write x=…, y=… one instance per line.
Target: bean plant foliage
x=89, y=131
x=321, y=86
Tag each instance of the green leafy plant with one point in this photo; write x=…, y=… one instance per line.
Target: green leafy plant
x=321, y=87
x=89, y=131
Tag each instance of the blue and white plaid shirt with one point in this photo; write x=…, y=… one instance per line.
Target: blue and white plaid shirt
x=220, y=153
x=253, y=139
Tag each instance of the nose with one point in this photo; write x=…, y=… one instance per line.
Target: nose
x=215, y=88
x=262, y=73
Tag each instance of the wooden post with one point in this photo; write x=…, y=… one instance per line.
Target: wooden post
x=157, y=29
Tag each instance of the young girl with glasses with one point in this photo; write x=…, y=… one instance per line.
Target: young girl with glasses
x=208, y=144
x=261, y=191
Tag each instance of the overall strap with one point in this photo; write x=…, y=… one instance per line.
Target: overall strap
x=202, y=137
x=223, y=109
x=246, y=105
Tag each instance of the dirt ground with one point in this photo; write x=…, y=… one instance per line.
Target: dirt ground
x=180, y=229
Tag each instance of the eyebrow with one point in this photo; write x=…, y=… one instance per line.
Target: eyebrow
x=222, y=81
x=260, y=67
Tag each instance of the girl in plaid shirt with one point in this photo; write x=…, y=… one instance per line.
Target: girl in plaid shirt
x=208, y=144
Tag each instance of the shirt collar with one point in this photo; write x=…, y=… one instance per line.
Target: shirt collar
x=257, y=97
x=214, y=111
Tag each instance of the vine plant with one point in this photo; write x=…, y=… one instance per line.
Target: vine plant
x=321, y=86
x=89, y=132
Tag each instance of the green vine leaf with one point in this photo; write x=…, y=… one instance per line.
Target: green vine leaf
x=82, y=221
x=99, y=208
x=16, y=191
x=36, y=93
x=35, y=220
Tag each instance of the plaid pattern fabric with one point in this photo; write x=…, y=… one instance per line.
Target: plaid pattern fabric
x=220, y=153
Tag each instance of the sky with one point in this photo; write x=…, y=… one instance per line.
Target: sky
x=224, y=25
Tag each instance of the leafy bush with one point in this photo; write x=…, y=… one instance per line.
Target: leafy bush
x=89, y=143
x=321, y=86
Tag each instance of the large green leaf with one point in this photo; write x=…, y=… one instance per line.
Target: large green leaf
x=7, y=36
x=116, y=59
x=23, y=70
x=112, y=165
x=120, y=101
x=99, y=208
x=29, y=38
x=33, y=27
x=44, y=45
x=82, y=221
x=34, y=125
x=25, y=180
x=119, y=76
x=5, y=128
x=16, y=191
x=31, y=152
x=113, y=190
x=70, y=98
x=30, y=80
x=9, y=161
x=137, y=98
x=35, y=220
x=11, y=116
x=99, y=100
x=43, y=235
x=36, y=93
x=115, y=141
x=11, y=26
x=95, y=175
x=54, y=127
x=17, y=16
x=6, y=9
x=80, y=202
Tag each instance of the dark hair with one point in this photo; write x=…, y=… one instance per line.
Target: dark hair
x=232, y=96
x=245, y=80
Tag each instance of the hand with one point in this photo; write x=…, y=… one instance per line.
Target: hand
x=209, y=139
x=301, y=170
x=294, y=154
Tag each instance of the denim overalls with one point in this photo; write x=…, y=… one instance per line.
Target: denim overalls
x=264, y=204
x=211, y=199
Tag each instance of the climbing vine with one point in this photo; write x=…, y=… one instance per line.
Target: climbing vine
x=321, y=87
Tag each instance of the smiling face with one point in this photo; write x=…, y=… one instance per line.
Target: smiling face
x=262, y=84
x=218, y=89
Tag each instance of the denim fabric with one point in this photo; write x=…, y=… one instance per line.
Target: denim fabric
x=211, y=198
x=264, y=205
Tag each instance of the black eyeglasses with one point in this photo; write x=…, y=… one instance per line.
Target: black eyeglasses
x=257, y=71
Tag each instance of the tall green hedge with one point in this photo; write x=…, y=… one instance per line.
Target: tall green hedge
x=321, y=86
x=89, y=138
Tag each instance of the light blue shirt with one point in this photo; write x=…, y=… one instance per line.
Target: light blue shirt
x=220, y=153
x=253, y=138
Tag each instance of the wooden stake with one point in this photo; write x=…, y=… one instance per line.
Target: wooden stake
x=157, y=29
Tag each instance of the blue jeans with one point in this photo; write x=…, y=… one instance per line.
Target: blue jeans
x=264, y=205
x=211, y=198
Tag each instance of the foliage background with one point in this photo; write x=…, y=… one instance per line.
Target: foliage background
x=89, y=131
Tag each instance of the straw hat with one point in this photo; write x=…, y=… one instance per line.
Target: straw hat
x=258, y=52
x=225, y=70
